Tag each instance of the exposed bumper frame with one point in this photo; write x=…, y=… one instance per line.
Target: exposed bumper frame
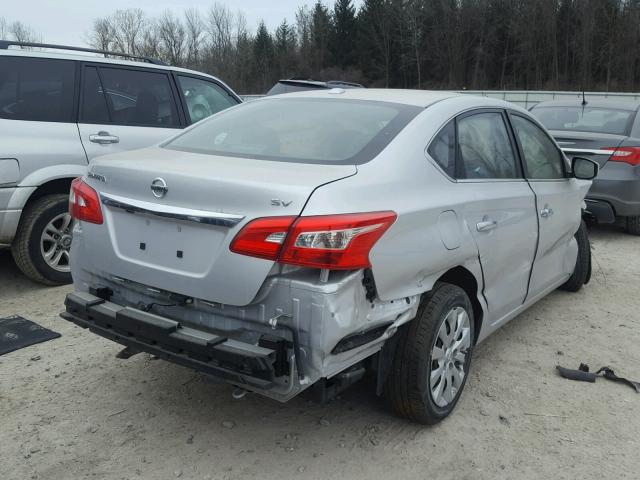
x=236, y=362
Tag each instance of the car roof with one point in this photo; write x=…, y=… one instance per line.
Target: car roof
x=598, y=103
x=319, y=83
x=88, y=57
x=418, y=98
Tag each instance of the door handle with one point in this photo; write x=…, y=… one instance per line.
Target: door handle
x=486, y=225
x=103, y=138
x=546, y=212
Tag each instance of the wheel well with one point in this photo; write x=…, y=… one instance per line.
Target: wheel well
x=59, y=185
x=464, y=279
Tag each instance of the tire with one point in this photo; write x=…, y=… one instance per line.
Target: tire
x=633, y=225
x=28, y=247
x=408, y=389
x=582, y=270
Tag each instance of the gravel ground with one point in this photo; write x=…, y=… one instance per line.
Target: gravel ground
x=71, y=410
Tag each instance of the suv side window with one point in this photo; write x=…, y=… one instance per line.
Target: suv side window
x=139, y=98
x=443, y=149
x=204, y=98
x=542, y=159
x=94, y=104
x=485, y=148
x=37, y=89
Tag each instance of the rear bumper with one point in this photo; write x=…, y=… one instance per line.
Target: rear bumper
x=618, y=184
x=236, y=362
x=599, y=211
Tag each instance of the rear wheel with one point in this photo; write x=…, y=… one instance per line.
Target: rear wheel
x=582, y=270
x=41, y=246
x=633, y=225
x=433, y=356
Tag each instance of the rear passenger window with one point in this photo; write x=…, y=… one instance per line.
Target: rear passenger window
x=36, y=89
x=443, y=149
x=485, y=148
x=542, y=159
x=94, y=104
x=204, y=98
x=141, y=98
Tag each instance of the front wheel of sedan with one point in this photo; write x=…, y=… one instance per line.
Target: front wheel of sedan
x=432, y=359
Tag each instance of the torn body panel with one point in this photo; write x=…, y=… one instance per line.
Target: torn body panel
x=292, y=300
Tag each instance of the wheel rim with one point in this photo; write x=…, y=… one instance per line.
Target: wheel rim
x=56, y=241
x=449, y=357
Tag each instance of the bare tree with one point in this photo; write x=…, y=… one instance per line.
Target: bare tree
x=103, y=34
x=23, y=33
x=172, y=35
x=128, y=29
x=194, y=31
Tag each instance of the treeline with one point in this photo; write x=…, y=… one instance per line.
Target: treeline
x=473, y=44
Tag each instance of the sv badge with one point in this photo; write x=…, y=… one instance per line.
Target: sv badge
x=276, y=202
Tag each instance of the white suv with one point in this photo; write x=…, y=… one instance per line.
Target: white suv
x=58, y=111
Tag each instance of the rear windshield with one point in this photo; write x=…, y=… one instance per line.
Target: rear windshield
x=588, y=119
x=304, y=130
x=282, y=87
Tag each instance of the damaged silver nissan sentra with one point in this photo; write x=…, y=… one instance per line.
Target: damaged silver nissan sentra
x=300, y=240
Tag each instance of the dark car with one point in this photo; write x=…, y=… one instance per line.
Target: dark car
x=301, y=85
x=609, y=133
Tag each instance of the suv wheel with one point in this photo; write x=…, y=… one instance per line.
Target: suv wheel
x=633, y=225
x=41, y=246
x=433, y=356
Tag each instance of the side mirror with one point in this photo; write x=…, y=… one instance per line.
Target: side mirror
x=584, y=169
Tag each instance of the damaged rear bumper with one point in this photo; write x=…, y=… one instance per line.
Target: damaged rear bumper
x=237, y=362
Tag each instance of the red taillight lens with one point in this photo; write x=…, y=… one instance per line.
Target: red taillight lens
x=262, y=237
x=630, y=155
x=84, y=203
x=337, y=242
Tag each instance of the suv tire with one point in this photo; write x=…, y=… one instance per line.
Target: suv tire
x=633, y=225
x=28, y=248
x=409, y=389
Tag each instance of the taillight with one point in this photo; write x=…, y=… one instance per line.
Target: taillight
x=337, y=242
x=84, y=203
x=630, y=155
x=262, y=237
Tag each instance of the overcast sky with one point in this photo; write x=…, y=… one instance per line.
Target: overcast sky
x=69, y=21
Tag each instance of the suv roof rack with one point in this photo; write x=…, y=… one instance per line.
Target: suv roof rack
x=5, y=44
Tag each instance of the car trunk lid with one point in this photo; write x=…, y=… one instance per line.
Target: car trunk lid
x=594, y=146
x=176, y=235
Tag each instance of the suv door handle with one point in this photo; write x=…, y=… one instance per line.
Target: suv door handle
x=546, y=212
x=103, y=138
x=486, y=225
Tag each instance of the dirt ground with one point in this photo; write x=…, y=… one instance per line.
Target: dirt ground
x=70, y=410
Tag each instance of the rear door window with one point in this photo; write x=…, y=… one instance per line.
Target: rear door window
x=485, y=148
x=204, y=98
x=37, y=89
x=139, y=97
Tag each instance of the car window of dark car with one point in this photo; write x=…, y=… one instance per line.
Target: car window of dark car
x=137, y=97
x=542, y=159
x=485, y=148
x=36, y=89
x=616, y=121
x=443, y=149
x=204, y=98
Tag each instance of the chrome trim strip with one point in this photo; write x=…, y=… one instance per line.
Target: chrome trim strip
x=169, y=211
x=589, y=151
